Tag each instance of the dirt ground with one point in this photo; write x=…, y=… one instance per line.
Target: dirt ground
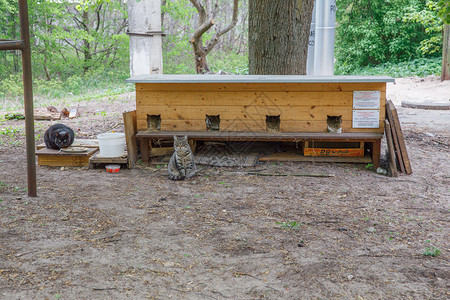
x=225, y=234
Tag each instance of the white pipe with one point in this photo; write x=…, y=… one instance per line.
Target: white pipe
x=324, y=37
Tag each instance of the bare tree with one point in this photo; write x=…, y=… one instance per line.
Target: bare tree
x=206, y=21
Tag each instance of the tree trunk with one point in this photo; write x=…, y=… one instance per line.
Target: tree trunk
x=445, y=74
x=278, y=36
x=201, y=65
x=47, y=74
x=86, y=44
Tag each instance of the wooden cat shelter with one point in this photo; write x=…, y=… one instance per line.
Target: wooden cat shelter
x=287, y=108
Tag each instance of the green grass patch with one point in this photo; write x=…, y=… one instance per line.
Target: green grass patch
x=291, y=225
x=431, y=251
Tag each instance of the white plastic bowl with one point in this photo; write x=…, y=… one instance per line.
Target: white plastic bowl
x=111, y=144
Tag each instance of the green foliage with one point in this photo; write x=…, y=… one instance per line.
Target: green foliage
x=12, y=136
x=289, y=225
x=374, y=32
x=177, y=53
x=10, y=131
x=431, y=251
x=177, y=56
x=66, y=41
x=74, y=51
x=418, y=67
x=95, y=84
x=86, y=5
x=11, y=86
x=230, y=62
x=444, y=10
x=14, y=116
x=433, y=27
x=180, y=10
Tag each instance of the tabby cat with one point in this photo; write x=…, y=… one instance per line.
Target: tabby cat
x=181, y=164
x=334, y=124
x=212, y=122
x=58, y=136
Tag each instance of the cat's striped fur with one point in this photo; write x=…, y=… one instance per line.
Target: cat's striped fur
x=181, y=165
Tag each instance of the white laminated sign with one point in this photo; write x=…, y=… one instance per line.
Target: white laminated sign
x=366, y=99
x=366, y=118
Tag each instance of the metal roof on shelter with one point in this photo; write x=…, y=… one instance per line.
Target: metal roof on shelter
x=165, y=78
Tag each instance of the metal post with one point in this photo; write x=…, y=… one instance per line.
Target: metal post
x=324, y=38
x=28, y=98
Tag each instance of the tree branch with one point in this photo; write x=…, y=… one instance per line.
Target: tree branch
x=201, y=10
x=215, y=39
x=72, y=45
x=201, y=30
x=215, y=10
x=98, y=10
x=104, y=50
x=233, y=20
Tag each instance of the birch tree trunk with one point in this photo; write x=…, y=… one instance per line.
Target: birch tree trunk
x=278, y=36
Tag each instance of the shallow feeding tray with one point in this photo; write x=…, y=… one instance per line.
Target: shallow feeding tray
x=112, y=168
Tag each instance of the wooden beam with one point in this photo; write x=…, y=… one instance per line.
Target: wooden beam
x=293, y=156
x=261, y=136
x=390, y=152
x=129, y=121
x=390, y=107
x=11, y=45
x=398, y=152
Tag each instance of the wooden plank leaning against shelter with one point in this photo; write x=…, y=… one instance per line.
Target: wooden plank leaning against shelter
x=397, y=134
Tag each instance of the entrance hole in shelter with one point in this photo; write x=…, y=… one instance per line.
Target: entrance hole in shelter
x=334, y=124
x=212, y=122
x=273, y=123
x=153, y=122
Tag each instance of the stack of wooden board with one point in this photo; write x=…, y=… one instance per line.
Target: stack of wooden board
x=397, y=153
x=58, y=158
x=77, y=143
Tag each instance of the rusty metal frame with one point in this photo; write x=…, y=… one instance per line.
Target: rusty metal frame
x=24, y=46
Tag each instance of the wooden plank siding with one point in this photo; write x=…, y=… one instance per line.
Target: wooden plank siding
x=302, y=107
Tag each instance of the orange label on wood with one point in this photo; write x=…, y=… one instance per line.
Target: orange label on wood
x=332, y=152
